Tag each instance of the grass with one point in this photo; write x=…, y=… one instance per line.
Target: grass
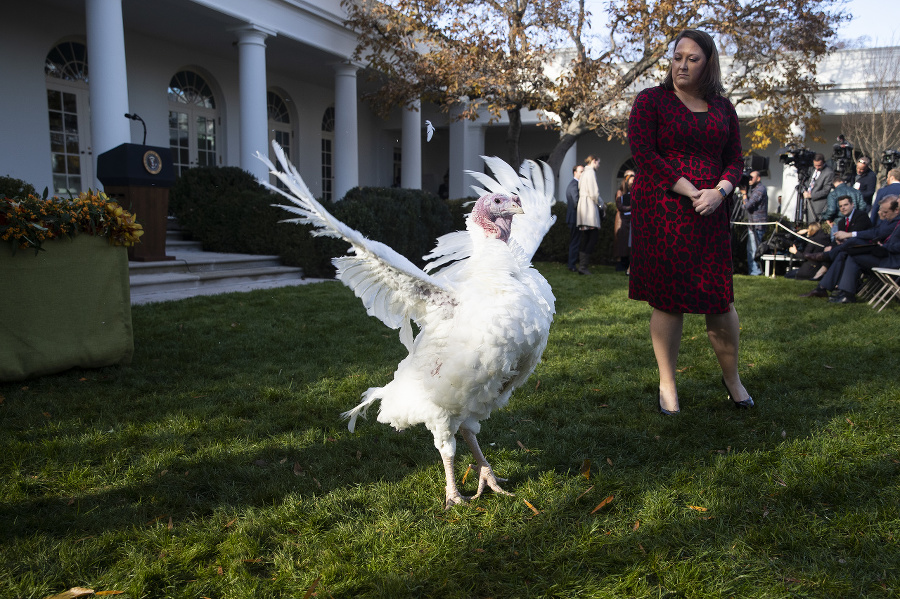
x=215, y=465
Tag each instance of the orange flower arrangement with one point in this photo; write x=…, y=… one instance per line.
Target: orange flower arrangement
x=28, y=222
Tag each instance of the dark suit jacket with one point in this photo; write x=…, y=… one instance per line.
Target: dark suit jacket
x=892, y=244
x=867, y=184
x=822, y=185
x=892, y=189
x=572, y=201
x=859, y=221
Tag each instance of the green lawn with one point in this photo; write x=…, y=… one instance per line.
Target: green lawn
x=216, y=465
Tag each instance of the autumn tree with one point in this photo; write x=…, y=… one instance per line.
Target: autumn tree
x=872, y=122
x=507, y=55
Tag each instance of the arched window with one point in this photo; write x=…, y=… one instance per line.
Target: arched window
x=192, y=121
x=68, y=107
x=628, y=165
x=279, y=128
x=328, y=154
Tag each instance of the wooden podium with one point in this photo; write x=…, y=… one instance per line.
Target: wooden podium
x=138, y=177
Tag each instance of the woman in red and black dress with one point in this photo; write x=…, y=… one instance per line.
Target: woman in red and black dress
x=685, y=138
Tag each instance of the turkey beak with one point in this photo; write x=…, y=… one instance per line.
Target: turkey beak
x=514, y=208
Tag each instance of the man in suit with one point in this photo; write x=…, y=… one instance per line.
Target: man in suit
x=841, y=188
x=887, y=254
x=891, y=189
x=817, y=190
x=572, y=216
x=839, y=276
x=865, y=179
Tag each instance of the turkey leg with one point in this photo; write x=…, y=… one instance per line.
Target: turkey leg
x=453, y=496
x=486, y=474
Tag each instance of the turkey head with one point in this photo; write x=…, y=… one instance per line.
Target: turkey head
x=494, y=213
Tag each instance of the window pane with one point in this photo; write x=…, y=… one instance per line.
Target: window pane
x=69, y=103
x=54, y=99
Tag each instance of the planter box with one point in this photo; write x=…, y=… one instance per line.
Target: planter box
x=68, y=306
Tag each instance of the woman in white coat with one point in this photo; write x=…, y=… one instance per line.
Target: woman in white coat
x=590, y=212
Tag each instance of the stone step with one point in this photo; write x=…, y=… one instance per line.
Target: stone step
x=141, y=283
x=198, y=261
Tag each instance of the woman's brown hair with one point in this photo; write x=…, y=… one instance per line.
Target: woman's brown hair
x=711, y=80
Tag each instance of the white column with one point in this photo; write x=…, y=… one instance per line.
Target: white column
x=108, y=81
x=466, y=149
x=254, y=118
x=411, y=161
x=565, y=172
x=346, y=135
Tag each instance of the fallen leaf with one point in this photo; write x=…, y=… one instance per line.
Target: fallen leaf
x=850, y=421
x=478, y=550
x=533, y=509
x=230, y=523
x=282, y=460
x=312, y=589
x=538, y=385
x=602, y=504
x=585, y=493
x=780, y=482
x=609, y=461
x=73, y=593
x=783, y=434
x=46, y=414
x=82, y=379
x=252, y=561
x=318, y=484
x=698, y=508
x=170, y=527
x=259, y=463
x=586, y=468
x=603, y=405
x=157, y=519
x=105, y=593
x=358, y=455
x=466, y=475
x=829, y=367
x=637, y=525
x=519, y=443
x=219, y=571
x=641, y=547
x=298, y=469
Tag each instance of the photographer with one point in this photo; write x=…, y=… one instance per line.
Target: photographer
x=865, y=179
x=819, y=185
x=891, y=189
x=756, y=203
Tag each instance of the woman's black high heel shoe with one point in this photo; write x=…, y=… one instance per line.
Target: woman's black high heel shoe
x=662, y=410
x=740, y=405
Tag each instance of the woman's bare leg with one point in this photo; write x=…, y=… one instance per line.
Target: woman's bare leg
x=665, y=332
x=724, y=331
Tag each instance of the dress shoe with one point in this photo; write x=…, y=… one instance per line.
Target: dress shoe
x=817, y=292
x=740, y=405
x=662, y=410
x=842, y=297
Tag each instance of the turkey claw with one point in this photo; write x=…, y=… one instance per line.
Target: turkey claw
x=486, y=477
x=454, y=499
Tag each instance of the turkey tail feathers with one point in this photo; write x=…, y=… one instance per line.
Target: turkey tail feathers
x=371, y=396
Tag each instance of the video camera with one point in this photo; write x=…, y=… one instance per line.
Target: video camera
x=890, y=159
x=842, y=157
x=795, y=155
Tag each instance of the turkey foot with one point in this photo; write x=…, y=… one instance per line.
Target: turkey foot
x=486, y=474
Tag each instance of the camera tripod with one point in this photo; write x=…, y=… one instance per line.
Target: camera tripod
x=803, y=178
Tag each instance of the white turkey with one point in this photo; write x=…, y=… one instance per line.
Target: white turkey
x=483, y=315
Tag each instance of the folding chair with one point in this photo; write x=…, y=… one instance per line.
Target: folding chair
x=890, y=278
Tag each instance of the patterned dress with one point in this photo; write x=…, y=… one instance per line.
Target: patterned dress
x=681, y=261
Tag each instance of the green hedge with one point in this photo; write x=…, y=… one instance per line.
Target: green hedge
x=13, y=188
x=226, y=209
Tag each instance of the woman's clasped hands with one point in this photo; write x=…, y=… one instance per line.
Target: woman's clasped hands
x=706, y=201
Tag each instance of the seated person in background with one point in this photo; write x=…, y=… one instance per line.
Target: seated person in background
x=865, y=179
x=851, y=221
x=883, y=242
x=891, y=189
x=819, y=240
x=842, y=188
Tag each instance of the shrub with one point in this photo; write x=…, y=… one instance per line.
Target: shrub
x=408, y=220
x=13, y=188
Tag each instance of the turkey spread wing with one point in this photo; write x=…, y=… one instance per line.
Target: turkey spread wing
x=392, y=288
